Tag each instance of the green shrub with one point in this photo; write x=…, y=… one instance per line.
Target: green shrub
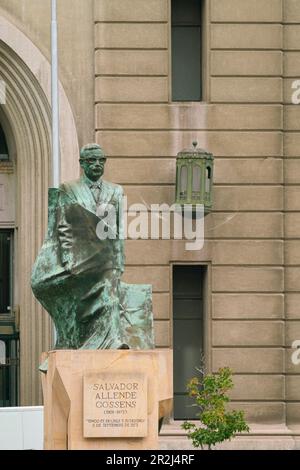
x=217, y=424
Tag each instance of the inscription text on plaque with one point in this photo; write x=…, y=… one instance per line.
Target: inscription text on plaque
x=115, y=404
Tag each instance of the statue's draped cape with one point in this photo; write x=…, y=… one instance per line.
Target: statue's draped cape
x=89, y=305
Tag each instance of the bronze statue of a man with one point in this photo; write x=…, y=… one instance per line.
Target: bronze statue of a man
x=76, y=276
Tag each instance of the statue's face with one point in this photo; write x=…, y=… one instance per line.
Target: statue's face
x=93, y=164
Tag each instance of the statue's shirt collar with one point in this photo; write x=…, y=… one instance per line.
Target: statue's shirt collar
x=90, y=183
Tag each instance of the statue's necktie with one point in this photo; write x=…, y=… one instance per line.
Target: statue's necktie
x=96, y=189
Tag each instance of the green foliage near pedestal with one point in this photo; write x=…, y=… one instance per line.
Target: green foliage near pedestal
x=216, y=423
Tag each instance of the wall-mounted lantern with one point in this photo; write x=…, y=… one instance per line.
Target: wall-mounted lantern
x=194, y=177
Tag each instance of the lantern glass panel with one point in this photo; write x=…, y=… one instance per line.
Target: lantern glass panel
x=196, y=178
x=208, y=180
x=183, y=181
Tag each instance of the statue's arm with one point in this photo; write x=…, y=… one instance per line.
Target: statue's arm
x=65, y=238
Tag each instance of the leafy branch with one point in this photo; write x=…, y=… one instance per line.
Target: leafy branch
x=210, y=396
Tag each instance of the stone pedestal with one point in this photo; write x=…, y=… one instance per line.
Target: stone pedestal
x=106, y=399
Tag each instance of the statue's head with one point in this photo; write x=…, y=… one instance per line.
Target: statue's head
x=92, y=160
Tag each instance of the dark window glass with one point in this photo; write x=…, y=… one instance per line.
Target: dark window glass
x=9, y=344
x=3, y=146
x=186, y=50
x=9, y=370
x=187, y=334
x=186, y=12
x=5, y=270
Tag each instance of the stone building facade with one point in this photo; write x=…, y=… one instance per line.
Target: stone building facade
x=115, y=88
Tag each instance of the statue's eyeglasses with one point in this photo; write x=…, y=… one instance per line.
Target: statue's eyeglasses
x=93, y=160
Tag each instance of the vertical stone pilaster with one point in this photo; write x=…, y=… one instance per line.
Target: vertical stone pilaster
x=291, y=127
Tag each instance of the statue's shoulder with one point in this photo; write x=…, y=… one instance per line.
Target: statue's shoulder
x=69, y=190
x=69, y=186
x=114, y=189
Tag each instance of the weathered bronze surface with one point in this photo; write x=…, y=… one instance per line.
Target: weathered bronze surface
x=77, y=275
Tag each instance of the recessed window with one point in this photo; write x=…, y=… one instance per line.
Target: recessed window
x=188, y=281
x=3, y=146
x=9, y=370
x=186, y=50
x=5, y=271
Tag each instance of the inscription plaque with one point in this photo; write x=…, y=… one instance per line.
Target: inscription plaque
x=115, y=404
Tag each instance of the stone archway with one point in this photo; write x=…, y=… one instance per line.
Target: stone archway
x=26, y=73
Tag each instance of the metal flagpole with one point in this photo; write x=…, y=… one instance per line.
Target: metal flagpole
x=55, y=110
x=55, y=99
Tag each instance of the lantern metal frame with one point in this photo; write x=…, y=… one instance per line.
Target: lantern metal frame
x=191, y=191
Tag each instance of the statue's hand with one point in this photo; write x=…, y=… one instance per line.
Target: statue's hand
x=70, y=269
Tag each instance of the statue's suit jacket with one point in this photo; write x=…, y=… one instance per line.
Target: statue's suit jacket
x=73, y=232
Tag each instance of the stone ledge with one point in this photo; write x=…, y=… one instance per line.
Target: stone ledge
x=261, y=437
x=239, y=443
x=6, y=167
x=173, y=428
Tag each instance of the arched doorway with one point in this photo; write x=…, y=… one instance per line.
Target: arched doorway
x=9, y=328
x=27, y=112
